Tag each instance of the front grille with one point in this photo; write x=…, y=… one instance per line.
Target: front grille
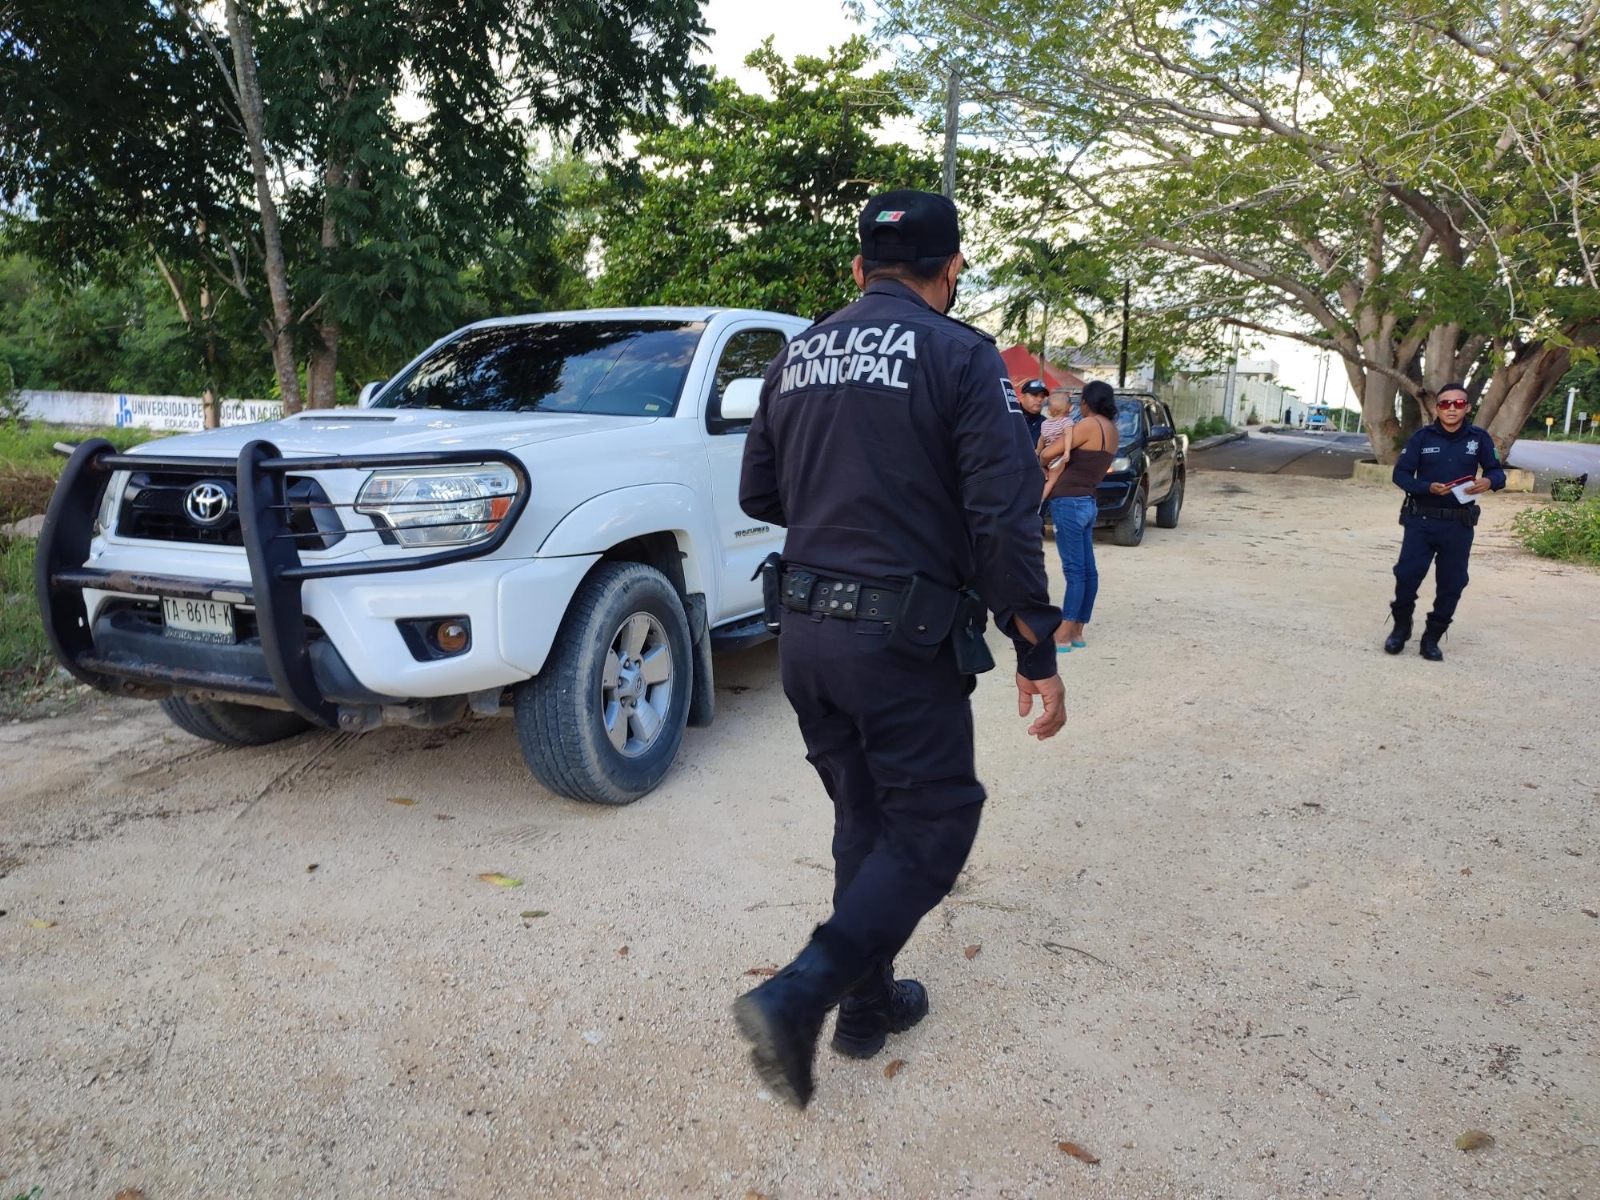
x=153, y=508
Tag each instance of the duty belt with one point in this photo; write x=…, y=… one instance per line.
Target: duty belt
x=847, y=599
x=1466, y=512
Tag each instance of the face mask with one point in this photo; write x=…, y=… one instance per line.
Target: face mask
x=951, y=303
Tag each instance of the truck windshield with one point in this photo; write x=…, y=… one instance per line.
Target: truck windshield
x=614, y=368
x=1128, y=420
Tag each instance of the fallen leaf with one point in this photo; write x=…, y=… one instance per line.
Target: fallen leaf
x=37, y=924
x=623, y=953
x=1077, y=1152
x=757, y=1196
x=130, y=1194
x=401, y=800
x=499, y=880
x=972, y=951
x=312, y=867
x=534, y=913
x=443, y=817
x=1589, y=912
x=1466, y=870
x=1474, y=1139
x=893, y=1068
x=769, y=972
x=1535, y=787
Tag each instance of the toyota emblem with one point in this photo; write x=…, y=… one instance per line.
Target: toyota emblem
x=207, y=503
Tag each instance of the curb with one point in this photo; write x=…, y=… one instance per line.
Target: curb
x=1220, y=439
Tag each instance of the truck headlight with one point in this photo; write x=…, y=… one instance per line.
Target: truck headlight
x=108, y=503
x=1120, y=463
x=440, y=506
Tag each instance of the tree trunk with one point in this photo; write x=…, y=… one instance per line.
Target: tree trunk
x=322, y=372
x=1377, y=392
x=1523, y=385
x=281, y=335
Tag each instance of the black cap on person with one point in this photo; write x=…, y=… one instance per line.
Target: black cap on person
x=905, y=225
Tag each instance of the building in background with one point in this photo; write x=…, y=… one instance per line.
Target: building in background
x=1195, y=395
x=1023, y=365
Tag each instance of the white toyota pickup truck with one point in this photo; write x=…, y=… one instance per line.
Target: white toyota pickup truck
x=538, y=515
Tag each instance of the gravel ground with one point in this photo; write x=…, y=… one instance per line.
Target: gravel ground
x=1283, y=917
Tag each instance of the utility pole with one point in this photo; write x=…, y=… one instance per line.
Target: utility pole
x=1122, y=364
x=1228, y=387
x=952, y=118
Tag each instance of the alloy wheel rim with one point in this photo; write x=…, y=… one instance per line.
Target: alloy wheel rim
x=636, y=685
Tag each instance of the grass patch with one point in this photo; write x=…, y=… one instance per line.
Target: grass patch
x=1210, y=427
x=25, y=659
x=1568, y=532
x=29, y=465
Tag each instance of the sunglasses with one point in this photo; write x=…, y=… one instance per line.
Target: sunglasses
x=1462, y=403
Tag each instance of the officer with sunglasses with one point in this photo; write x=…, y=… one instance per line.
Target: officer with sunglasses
x=1438, y=527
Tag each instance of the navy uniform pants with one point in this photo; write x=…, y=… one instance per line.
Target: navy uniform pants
x=1444, y=543
x=891, y=738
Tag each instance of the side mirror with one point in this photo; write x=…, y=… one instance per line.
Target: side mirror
x=1160, y=433
x=368, y=392
x=740, y=399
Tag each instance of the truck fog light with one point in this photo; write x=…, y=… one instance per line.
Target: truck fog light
x=433, y=638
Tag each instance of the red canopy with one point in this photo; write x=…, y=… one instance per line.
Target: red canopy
x=1023, y=366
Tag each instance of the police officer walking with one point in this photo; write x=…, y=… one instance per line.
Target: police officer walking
x=1438, y=526
x=891, y=445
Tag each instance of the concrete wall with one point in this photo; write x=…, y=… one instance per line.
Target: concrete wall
x=173, y=414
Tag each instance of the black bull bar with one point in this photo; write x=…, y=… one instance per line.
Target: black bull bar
x=271, y=548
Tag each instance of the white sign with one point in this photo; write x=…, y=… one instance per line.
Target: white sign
x=169, y=414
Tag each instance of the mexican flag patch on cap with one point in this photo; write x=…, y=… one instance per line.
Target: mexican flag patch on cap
x=890, y=216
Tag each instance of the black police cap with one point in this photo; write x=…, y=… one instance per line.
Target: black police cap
x=1036, y=387
x=905, y=225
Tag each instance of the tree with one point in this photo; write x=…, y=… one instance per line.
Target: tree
x=339, y=168
x=1408, y=183
x=1068, y=277
x=756, y=204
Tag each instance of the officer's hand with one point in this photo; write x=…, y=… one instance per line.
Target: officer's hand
x=1479, y=485
x=1054, y=694
x=1439, y=489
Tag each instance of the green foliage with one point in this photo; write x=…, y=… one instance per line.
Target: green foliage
x=1208, y=427
x=756, y=204
x=1069, y=277
x=24, y=654
x=1569, y=532
x=399, y=138
x=1410, y=183
x=29, y=447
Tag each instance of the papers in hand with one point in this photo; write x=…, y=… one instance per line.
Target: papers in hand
x=1460, y=492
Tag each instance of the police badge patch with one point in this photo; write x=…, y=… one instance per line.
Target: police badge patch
x=1472, y=446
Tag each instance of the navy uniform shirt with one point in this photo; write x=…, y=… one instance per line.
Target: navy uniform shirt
x=890, y=443
x=1434, y=456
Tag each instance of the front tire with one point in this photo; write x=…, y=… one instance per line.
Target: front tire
x=233, y=724
x=1130, y=530
x=603, y=720
x=1167, y=511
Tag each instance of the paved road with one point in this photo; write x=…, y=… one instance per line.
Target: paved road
x=1549, y=459
x=1322, y=455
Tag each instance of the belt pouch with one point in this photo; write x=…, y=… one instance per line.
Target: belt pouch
x=927, y=614
x=771, y=572
x=972, y=617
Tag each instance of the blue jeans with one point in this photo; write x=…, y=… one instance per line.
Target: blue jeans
x=1074, y=517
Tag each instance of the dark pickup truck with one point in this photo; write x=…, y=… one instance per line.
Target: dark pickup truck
x=1150, y=466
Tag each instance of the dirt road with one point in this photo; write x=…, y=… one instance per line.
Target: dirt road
x=1283, y=918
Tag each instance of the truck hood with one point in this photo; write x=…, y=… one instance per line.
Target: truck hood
x=389, y=431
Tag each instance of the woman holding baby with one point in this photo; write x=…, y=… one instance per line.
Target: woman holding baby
x=1075, y=457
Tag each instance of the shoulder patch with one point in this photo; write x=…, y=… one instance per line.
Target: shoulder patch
x=1008, y=390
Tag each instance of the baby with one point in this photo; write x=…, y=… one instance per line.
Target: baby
x=1057, y=426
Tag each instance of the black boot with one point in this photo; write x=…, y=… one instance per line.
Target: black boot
x=783, y=1017
x=1428, y=647
x=1401, y=634
x=876, y=1007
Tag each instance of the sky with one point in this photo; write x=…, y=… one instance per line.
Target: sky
x=812, y=26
